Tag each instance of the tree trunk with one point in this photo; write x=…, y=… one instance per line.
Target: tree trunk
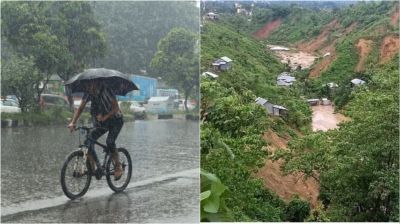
x=186, y=98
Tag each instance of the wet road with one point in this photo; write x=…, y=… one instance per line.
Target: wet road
x=163, y=188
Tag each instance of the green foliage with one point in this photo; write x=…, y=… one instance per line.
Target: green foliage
x=125, y=107
x=254, y=70
x=60, y=36
x=300, y=24
x=54, y=115
x=212, y=199
x=19, y=77
x=358, y=164
x=318, y=214
x=134, y=28
x=297, y=210
x=176, y=60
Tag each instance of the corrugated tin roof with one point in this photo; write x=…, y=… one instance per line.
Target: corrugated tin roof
x=279, y=107
x=219, y=62
x=226, y=59
x=261, y=101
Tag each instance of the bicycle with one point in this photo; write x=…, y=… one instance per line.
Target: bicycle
x=82, y=169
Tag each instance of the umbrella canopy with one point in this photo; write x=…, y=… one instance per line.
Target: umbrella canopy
x=115, y=80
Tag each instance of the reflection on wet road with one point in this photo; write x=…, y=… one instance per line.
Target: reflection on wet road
x=162, y=151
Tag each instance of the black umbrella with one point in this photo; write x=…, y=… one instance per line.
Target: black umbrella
x=115, y=80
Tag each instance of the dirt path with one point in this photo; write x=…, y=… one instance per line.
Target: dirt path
x=389, y=47
x=286, y=186
x=264, y=32
x=364, y=48
x=324, y=118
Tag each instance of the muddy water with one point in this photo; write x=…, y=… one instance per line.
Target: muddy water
x=324, y=118
x=295, y=58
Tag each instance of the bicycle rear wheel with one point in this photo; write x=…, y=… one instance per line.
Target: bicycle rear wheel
x=126, y=163
x=75, y=175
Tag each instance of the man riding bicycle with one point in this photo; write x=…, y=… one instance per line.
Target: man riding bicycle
x=106, y=116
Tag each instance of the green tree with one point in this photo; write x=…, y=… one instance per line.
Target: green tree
x=297, y=210
x=20, y=77
x=177, y=60
x=134, y=28
x=358, y=164
x=61, y=37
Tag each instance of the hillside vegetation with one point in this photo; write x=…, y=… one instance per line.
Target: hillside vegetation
x=232, y=147
x=356, y=165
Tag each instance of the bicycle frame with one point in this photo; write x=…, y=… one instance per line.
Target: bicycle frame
x=92, y=150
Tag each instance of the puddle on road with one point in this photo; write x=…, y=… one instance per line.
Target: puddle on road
x=179, y=177
x=324, y=118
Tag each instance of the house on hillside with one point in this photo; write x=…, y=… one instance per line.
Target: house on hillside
x=272, y=108
x=222, y=64
x=212, y=16
x=313, y=102
x=285, y=79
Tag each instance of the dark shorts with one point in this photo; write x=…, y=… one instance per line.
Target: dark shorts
x=112, y=125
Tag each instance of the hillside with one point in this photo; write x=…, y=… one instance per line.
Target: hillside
x=351, y=172
x=233, y=124
x=363, y=42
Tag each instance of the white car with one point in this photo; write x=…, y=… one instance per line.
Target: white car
x=135, y=107
x=9, y=106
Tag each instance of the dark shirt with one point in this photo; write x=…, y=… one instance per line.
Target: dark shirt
x=101, y=103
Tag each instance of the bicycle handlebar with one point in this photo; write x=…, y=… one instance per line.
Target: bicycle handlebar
x=83, y=128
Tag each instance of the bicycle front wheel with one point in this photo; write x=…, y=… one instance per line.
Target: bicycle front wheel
x=75, y=175
x=126, y=165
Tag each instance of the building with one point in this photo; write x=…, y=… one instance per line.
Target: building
x=172, y=93
x=279, y=110
x=147, y=89
x=272, y=108
x=222, y=64
x=313, y=102
x=325, y=101
x=285, y=79
x=212, y=16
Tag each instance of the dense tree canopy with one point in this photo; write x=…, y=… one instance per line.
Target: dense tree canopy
x=133, y=30
x=177, y=60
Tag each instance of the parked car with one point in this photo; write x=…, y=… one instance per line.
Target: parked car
x=13, y=98
x=135, y=107
x=9, y=106
x=52, y=100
